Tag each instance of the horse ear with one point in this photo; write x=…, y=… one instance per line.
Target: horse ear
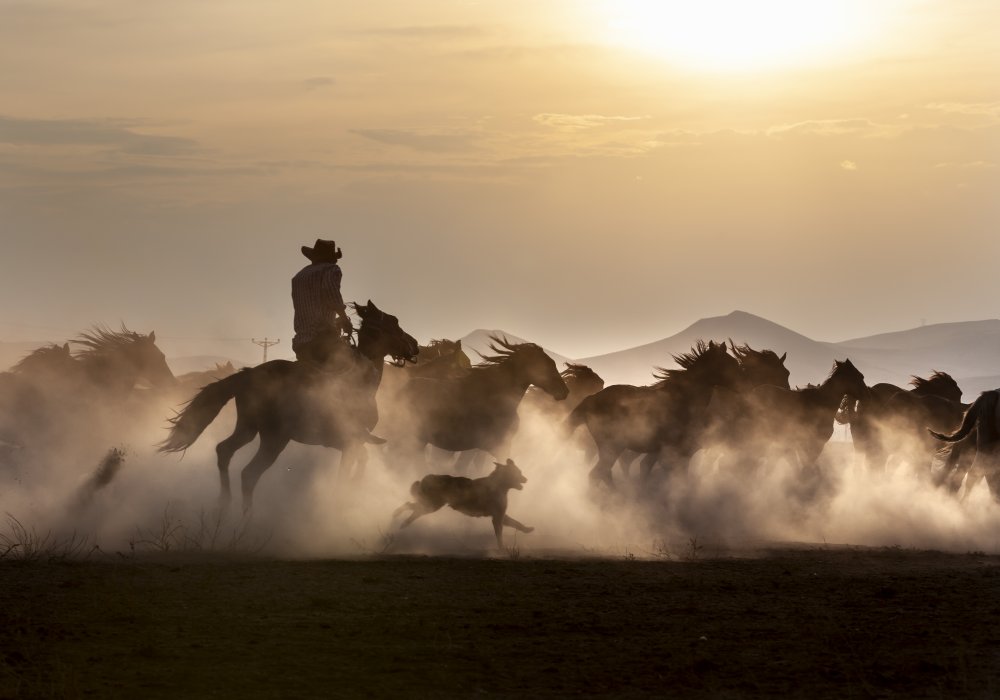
x=370, y=305
x=510, y=462
x=783, y=356
x=66, y=348
x=152, y=336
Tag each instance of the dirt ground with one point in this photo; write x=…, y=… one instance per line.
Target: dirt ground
x=810, y=622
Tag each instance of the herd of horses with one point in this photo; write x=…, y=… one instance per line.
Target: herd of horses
x=731, y=403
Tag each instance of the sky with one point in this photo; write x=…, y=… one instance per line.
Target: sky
x=587, y=174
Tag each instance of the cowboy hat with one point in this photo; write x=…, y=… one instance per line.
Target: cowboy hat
x=322, y=251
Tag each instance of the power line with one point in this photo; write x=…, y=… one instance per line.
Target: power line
x=265, y=344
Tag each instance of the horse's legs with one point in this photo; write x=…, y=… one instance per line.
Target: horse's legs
x=466, y=459
x=270, y=447
x=353, y=461
x=625, y=461
x=607, y=456
x=646, y=465
x=243, y=434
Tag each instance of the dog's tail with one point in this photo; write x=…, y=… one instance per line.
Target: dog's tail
x=982, y=409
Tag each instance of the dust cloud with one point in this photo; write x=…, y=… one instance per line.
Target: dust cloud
x=105, y=488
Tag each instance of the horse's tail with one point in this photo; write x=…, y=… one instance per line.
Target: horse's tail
x=982, y=409
x=196, y=415
x=415, y=489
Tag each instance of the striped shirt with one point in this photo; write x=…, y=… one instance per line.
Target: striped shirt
x=316, y=299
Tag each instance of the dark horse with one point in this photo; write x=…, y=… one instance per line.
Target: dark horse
x=658, y=420
x=54, y=396
x=727, y=405
x=284, y=401
x=892, y=420
x=796, y=423
x=581, y=381
x=981, y=424
x=479, y=409
x=729, y=412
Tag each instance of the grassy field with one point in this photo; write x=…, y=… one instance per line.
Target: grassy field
x=801, y=623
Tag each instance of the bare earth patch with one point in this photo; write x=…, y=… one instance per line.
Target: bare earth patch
x=794, y=623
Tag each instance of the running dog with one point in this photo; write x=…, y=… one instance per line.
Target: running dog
x=486, y=497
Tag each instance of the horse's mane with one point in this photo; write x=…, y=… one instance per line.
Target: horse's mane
x=100, y=341
x=576, y=371
x=504, y=349
x=41, y=358
x=438, y=343
x=937, y=380
x=744, y=352
x=686, y=360
x=829, y=376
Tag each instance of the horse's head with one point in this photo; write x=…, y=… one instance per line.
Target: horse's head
x=938, y=384
x=761, y=366
x=848, y=379
x=531, y=364
x=50, y=362
x=382, y=332
x=149, y=361
x=581, y=379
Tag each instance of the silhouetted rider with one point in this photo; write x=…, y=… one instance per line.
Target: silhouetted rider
x=322, y=327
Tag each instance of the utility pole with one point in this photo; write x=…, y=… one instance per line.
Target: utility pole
x=265, y=344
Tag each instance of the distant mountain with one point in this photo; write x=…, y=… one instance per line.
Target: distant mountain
x=968, y=349
x=479, y=341
x=808, y=360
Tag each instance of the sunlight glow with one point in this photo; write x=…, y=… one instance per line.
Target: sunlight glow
x=744, y=35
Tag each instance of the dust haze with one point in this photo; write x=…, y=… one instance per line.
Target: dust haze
x=107, y=489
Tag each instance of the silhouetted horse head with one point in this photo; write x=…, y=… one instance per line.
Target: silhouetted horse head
x=847, y=380
x=383, y=332
x=938, y=384
x=121, y=358
x=581, y=379
x=529, y=362
x=761, y=366
x=48, y=362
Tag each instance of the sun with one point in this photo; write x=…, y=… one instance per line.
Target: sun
x=743, y=35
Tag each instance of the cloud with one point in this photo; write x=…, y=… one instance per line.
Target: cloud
x=577, y=122
x=419, y=141
x=834, y=127
x=76, y=132
x=969, y=165
x=990, y=109
x=434, y=31
x=318, y=82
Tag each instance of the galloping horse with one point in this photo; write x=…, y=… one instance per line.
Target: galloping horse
x=729, y=412
x=581, y=381
x=892, y=420
x=981, y=425
x=479, y=409
x=190, y=382
x=797, y=423
x=657, y=420
x=54, y=396
x=301, y=401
